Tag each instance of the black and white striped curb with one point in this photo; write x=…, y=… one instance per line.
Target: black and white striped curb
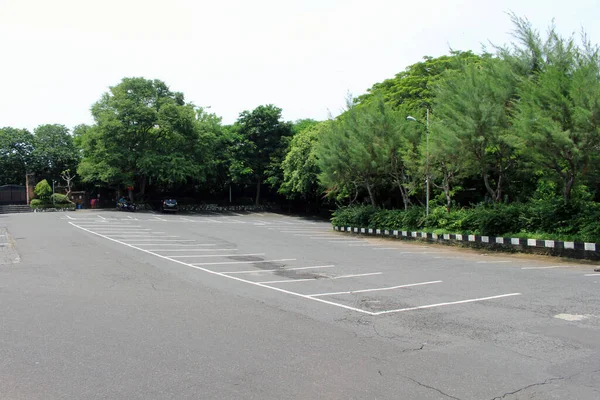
x=555, y=247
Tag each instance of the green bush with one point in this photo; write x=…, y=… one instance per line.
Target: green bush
x=358, y=216
x=37, y=203
x=43, y=190
x=546, y=217
x=58, y=198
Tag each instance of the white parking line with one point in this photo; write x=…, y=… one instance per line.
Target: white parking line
x=278, y=269
x=446, y=304
x=101, y=217
x=346, y=241
x=70, y=217
x=551, y=267
x=187, y=219
x=141, y=236
x=374, y=290
x=384, y=248
x=493, y=262
x=592, y=274
x=162, y=244
x=316, y=279
x=158, y=239
x=193, y=249
x=244, y=262
x=218, y=255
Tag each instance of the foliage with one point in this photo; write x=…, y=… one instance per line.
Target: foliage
x=54, y=151
x=300, y=167
x=143, y=133
x=59, y=198
x=261, y=138
x=16, y=155
x=412, y=89
x=43, y=190
x=472, y=115
x=558, y=114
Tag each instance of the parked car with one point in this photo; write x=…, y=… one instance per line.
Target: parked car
x=169, y=205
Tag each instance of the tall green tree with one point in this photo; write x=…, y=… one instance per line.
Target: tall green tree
x=412, y=90
x=474, y=106
x=300, y=167
x=559, y=108
x=54, y=151
x=144, y=133
x=262, y=137
x=16, y=155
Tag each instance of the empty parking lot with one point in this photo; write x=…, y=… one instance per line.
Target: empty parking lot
x=377, y=318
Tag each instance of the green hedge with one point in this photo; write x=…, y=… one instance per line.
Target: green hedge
x=550, y=219
x=60, y=201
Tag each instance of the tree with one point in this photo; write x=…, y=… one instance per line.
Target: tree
x=300, y=167
x=144, y=133
x=355, y=152
x=16, y=155
x=54, y=151
x=261, y=141
x=412, y=90
x=68, y=178
x=474, y=106
x=559, y=108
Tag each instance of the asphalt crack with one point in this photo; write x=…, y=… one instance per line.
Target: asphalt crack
x=432, y=388
x=527, y=387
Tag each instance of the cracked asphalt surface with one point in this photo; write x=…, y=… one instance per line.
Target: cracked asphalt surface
x=93, y=314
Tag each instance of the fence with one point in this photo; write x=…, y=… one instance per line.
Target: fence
x=13, y=194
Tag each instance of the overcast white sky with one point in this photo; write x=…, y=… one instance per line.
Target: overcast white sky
x=59, y=56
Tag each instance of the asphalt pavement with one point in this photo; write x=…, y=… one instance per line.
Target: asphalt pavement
x=114, y=305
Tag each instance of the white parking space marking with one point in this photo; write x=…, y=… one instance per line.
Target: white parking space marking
x=446, y=304
x=101, y=217
x=385, y=248
x=245, y=262
x=278, y=269
x=158, y=239
x=70, y=217
x=315, y=279
x=345, y=241
x=187, y=219
x=188, y=249
x=494, y=262
x=218, y=255
x=375, y=290
x=592, y=274
x=551, y=267
x=141, y=236
x=166, y=247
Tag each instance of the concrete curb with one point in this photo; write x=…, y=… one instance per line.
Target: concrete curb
x=581, y=250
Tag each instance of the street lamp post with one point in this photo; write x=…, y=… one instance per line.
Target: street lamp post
x=409, y=118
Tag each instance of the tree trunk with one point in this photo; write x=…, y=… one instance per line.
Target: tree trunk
x=370, y=194
x=143, y=185
x=404, y=194
x=258, y=191
x=491, y=192
x=569, y=183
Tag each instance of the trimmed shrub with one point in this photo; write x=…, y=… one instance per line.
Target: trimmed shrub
x=43, y=190
x=59, y=198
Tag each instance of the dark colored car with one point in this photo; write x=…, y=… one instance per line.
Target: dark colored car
x=169, y=205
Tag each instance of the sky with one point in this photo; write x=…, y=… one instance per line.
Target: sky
x=58, y=57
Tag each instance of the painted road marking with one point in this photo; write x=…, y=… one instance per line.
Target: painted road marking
x=238, y=279
x=165, y=244
x=158, y=239
x=552, y=267
x=278, y=269
x=101, y=217
x=194, y=249
x=218, y=255
x=375, y=290
x=592, y=274
x=245, y=262
x=446, y=304
x=315, y=279
x=493, y=262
